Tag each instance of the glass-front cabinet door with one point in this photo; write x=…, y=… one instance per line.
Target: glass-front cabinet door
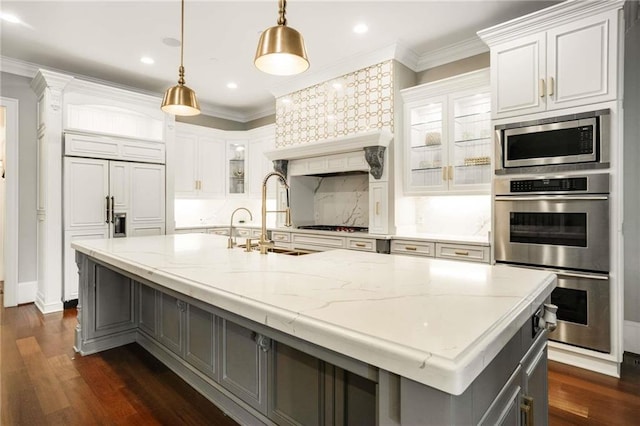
x=471, y=148
x=236, y=166
x=448, y=136
x=427, y=145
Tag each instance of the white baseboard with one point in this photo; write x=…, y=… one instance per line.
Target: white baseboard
x=27, y=292
x=631, y=339
x=47, y=308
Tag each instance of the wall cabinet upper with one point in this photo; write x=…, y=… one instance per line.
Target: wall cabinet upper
x=556, y=60
x=212, y=163
x=199, y=163
x=447, y=135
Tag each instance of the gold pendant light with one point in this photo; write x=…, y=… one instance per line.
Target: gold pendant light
x=180, y=99
x=281, y=49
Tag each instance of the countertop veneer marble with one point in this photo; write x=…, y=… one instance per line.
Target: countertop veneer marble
x=438, y=322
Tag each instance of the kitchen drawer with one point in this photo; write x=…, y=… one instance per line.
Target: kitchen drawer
x=243, y=232
x=281, y=237
x=255, y=233
x=316, y=242
x=190, y=231
x=218, y=231
x=462, y=252
x=361, y=244
x=416, y=248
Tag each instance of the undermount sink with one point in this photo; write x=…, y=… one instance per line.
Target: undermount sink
x=279, y=250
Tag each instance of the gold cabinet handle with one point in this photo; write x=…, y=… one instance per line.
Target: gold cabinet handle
x=279, y=237
x=551, y=84
x=411, y=248
x=444, y=173
x=377, y=208
x=450, y=172
x=526, y=408
x=541, y=88
x=461, y=252
x=361, y=245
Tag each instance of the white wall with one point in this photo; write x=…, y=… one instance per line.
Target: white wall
x=631, y=174
x=3, y=199
x=17, y=87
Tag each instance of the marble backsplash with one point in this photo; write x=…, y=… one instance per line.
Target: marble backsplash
x=342, y=200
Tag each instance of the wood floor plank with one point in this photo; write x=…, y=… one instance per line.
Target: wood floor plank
x=44, y=380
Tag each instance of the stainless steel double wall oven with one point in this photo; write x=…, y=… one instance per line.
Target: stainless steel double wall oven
x=552, y=212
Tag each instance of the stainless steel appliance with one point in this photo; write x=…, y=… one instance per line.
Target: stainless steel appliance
x=553, y=221
x=580, y=140
x=562, y=223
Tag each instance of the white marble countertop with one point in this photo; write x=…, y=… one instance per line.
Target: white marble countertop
x=438, y=322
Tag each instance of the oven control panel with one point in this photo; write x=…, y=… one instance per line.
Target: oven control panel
x=549, y=185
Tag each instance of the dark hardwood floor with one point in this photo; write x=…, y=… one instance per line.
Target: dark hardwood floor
x=44, y=382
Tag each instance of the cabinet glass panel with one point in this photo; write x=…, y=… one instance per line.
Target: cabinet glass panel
x=472, y=139
x=236, y=155
x=427, y=137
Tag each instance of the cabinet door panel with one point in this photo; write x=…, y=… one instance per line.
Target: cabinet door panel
x=148, y=309
x=581, y=61
x=243, y=369
x=517, y=69
x=359, y=401
x=211, y=155
x=201, y=340
x=86, y=184
x=147, y=194
x=378, y=207
x=297, y=395
x=112, y=297
x=119, y=184
x=171, y=321
x=69, y=254
x=185, y=160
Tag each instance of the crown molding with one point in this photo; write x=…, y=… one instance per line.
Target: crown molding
x=454, y=52
x=21, y=68
x=546, y=18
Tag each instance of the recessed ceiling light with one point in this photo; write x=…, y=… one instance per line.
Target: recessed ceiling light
x=147, y=60
x=170, y=41
x=10, y=18
x=232, y=85
x=360, y=28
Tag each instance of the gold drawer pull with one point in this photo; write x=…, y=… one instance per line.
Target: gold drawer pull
x=411, y=248
x=279, y=237
x=461, y=252
x=361, y=245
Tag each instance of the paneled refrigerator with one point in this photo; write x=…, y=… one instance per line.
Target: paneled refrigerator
x=108, y=199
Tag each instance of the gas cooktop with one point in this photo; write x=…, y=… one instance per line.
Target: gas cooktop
x=339, y=228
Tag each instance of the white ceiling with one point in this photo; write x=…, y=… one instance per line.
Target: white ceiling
x=104, y=40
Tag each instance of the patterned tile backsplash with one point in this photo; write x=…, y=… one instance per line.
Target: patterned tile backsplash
x=347, y=105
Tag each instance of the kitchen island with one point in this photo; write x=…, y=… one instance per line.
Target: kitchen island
x=326, y=338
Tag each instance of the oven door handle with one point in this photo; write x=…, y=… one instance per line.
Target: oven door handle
x=552, y=198
x=565, y=273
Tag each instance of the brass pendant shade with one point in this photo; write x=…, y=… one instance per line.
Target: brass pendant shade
x=180, y=99
x=281, y=49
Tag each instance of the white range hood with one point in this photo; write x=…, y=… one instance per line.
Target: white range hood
x=337, y=145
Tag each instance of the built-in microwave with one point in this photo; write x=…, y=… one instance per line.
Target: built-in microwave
x=580, y=140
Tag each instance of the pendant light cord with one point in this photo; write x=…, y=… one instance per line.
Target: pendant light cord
x=181, y=69
x=282, y=20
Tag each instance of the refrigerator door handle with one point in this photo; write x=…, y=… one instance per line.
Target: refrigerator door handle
x=107, y=212
x=113, y=204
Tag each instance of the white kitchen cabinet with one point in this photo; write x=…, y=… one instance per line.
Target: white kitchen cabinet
x=199, y=162
x=553, y=62
x=261, y=140
x=104, y=199
x=466, y=252
x=448, y=140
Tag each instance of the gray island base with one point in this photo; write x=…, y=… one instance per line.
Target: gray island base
x=197, y=317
